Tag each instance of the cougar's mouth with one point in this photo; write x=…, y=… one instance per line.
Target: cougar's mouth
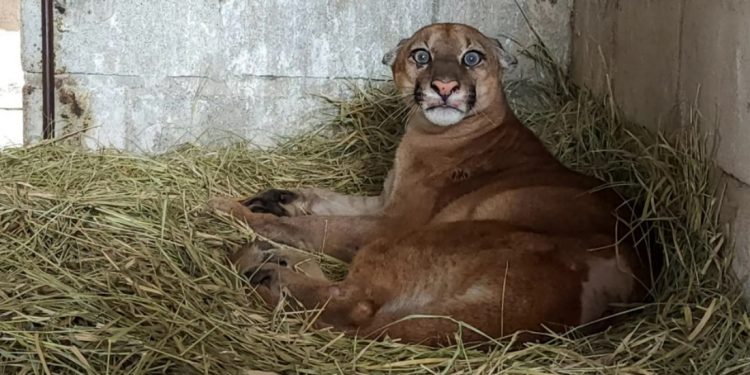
x=445, y=111
x=443, y=106
x=444, y=115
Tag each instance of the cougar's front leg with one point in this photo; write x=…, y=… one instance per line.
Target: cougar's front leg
x=312, y=201
x=338, y=236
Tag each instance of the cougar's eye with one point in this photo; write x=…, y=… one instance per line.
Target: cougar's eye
x=472, y=58
x=420, y=56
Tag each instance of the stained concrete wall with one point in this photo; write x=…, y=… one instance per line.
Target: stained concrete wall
x=659, y=58
x=147, y=75
x=11, y=74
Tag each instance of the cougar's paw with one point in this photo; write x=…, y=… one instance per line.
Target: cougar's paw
x=267, y=281
x=260, y=253
x=267, y=276
x=224, y=205
x=271, y=202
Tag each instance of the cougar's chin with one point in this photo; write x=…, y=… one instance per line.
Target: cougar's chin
x=444, y=115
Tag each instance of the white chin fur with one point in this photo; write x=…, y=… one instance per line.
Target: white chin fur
x=444, y=116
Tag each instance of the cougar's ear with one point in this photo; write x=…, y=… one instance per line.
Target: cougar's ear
x=506, y=59
x=390, y=57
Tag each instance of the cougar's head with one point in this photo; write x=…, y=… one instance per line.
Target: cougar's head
x=451, y=71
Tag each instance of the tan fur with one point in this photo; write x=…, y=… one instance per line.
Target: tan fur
x=477, y=220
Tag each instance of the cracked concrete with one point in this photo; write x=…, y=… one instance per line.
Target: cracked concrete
x=156, y=74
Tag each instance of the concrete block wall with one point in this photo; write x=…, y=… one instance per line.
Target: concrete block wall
x=147, y=75
x=659, y=58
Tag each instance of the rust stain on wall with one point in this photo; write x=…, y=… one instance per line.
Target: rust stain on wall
x=74, y=112
x=68, y=98
x=28, y=89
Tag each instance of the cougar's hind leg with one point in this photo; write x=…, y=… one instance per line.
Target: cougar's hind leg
x=345, y=307
x=272, y=279
x=261, y=252
x=436, y=324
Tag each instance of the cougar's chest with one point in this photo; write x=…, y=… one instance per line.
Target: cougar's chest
x=416, y=182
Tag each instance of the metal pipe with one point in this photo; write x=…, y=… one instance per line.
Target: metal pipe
x=48, y=70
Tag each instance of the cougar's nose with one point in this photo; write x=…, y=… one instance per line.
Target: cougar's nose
x=444, y=89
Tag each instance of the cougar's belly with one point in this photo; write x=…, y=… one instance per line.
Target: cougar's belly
x=551, y=209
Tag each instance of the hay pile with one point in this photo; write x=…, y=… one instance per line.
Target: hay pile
x=110, y=265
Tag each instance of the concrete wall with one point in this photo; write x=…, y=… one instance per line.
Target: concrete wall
x=664, y=56
x=11, y=74
x=151, y=74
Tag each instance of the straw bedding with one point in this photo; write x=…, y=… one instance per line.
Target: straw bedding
x=109, y=263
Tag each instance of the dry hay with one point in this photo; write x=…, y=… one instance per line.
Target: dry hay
x=110, y=264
